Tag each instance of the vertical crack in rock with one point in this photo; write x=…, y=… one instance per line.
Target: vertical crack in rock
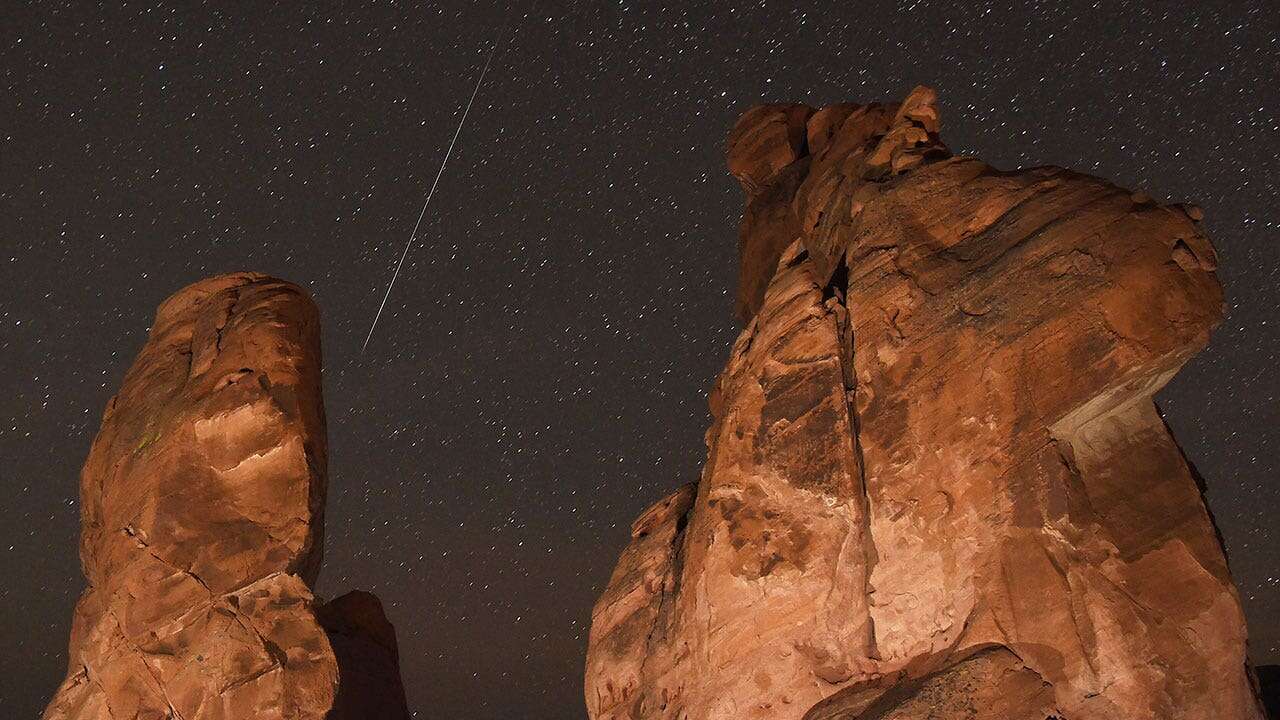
x=202, y=502
x=836, y=294
x=1040, y=546
x=669, y=589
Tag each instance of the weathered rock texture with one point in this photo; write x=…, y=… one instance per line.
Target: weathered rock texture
x=936, y=486
x=202, y=503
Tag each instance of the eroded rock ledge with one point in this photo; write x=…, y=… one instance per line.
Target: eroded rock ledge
x=202, y=519
x=936, y=483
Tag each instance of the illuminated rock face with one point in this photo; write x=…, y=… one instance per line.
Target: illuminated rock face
x=936, y=484
x=202, y=503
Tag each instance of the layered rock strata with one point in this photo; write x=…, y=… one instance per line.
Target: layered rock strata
x=936, y=484
x=202, y=523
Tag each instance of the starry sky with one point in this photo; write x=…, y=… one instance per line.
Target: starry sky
x=540, y=373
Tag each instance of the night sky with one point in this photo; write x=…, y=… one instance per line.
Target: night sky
x=540, y=374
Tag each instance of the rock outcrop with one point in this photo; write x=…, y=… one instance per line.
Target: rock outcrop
x=936, y=485
x=202, y=504
x=1269, y=689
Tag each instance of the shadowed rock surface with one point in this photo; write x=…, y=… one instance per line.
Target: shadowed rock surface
x=1269, y=686
x=202, y=522
x=364, y=643
x=936, y=484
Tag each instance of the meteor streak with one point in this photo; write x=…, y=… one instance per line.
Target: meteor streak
x=422, y=213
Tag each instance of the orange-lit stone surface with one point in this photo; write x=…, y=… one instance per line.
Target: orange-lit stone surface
x=936, y=484
x=202, y=503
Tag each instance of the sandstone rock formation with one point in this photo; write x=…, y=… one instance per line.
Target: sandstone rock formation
x=202, y=503
x=936, y=485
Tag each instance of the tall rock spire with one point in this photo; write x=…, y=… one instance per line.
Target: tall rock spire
x=936, y=483
x=202, y=504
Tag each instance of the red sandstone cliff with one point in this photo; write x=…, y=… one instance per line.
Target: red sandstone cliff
x=202, y=504
x=936, y=483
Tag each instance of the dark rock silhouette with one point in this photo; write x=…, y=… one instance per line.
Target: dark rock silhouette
x=364, y=643
x=1269, y=684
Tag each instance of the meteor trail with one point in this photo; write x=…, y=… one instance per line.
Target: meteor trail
x=430, y=193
